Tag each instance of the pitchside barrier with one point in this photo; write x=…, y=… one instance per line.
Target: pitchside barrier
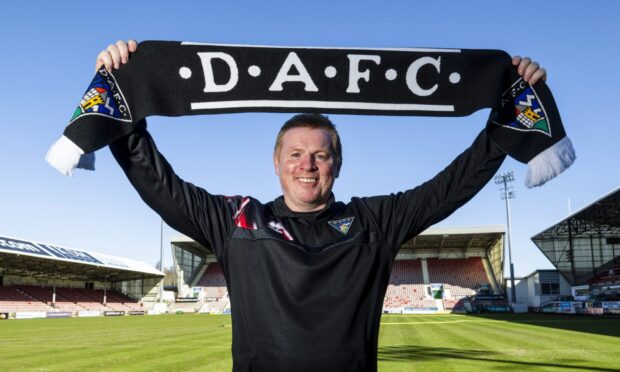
x=114, y=313
x=87, y=313
x=580, y=307
x=30, y=314
x=611, y=307
x=47, y=314
x=411, y=310
x=419, y=310
x=59, y=314
x=69, y=314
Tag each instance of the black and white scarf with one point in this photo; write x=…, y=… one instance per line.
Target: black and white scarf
x=180, y=78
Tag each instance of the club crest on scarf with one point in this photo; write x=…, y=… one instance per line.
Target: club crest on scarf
x=342, y=225
x=103, y=98
x=529, y=114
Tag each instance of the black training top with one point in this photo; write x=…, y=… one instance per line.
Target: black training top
x=306, y=289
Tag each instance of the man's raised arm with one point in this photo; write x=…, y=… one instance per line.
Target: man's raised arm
x=188, y=209
x=404, y=215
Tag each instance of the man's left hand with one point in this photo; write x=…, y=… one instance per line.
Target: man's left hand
x=530, y=70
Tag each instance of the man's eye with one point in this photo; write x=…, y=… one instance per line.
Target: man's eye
x=295, y=155
x=322, y=157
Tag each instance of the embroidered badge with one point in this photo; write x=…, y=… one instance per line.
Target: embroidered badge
x=342, y=225
x=529, y=113
x=103, y=98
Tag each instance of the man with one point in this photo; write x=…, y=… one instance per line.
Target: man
x=306, y=274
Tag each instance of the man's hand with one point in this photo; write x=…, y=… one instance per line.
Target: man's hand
x=531, y=71
x=115, y=54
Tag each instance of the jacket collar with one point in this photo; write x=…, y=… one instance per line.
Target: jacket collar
x=281, y=209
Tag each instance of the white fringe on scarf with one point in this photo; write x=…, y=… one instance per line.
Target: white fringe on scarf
x=550, y=163
x=65, y=156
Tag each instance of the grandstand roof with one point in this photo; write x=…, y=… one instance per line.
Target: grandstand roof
x=28, y=258
x=586, y=241
x=457, y=237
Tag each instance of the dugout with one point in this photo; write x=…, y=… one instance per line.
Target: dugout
x=26, y=262
x=586, y=244
x=448, y=243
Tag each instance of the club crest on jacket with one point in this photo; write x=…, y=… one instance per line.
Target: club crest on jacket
x=342, y=225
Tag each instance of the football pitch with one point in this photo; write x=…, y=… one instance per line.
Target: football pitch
x=195, y=342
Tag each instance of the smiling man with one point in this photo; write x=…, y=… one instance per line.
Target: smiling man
x=307, y=158
x=306, y=274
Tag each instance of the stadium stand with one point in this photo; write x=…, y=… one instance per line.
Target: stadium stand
x=587, y=242
x=213, y=280
x=45, y=295
x=118, y=301
x=605, y=286
x=465, y=273
x=460, y=278
x=82, y=298
x=611, y=276
x=584, y=247
x=215, y=298
x=35, y=298
x=406, y=288
x=56, y=281
x=12, y=299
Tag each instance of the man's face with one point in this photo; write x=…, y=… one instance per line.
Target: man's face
x=306, y=167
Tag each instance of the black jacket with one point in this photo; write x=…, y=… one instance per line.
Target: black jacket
x=306, y=289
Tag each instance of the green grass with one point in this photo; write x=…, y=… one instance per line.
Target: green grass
x=407, y=343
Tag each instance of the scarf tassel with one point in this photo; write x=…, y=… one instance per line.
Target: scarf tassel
x=550, y=163
x=65, y=156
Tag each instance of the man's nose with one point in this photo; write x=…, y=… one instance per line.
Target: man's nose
x=308, y=162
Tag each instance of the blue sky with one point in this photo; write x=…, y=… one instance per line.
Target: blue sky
x=48, y=61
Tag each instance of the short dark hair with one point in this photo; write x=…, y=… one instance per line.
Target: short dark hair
x=315, y=121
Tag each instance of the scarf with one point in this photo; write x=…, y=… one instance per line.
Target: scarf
x=181, y=78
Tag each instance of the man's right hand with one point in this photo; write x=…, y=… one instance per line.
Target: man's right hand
x=116, y=54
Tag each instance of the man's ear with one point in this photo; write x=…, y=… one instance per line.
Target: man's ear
x=336, y=171
x=276, y=164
